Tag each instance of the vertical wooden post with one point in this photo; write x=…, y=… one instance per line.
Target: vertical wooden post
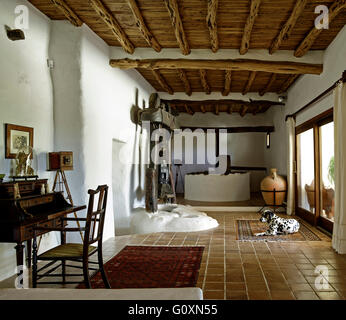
x=151, y=192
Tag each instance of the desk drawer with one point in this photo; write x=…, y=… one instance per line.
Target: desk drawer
x=28, y=231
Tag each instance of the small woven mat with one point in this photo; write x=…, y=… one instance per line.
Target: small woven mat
x=246, y=230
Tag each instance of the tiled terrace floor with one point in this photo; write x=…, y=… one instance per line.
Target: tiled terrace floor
x=234, y=269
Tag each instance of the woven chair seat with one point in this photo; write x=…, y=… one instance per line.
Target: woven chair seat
x=68, y=250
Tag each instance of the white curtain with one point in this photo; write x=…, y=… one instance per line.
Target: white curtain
x=291, y=123
x=339, y=231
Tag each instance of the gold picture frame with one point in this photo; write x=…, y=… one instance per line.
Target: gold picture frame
x=17, y=137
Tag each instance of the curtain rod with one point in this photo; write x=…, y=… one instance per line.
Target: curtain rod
x=324, y=93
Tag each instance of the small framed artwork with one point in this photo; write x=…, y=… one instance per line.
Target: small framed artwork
x=18, y=137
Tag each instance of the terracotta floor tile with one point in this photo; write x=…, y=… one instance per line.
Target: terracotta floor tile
x=282, y=295
x=214, y=286
x=306, y=295
x=300, y=287
x=236, y=295
x=213, y=295
x=329, y=296
x=235, y=286
x=258, y=295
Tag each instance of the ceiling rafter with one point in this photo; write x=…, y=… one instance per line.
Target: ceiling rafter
x=289, y=25
x=250, y=81
x=292, y=78
x=281, y=67
x=268, y=85
x=204, y=81
x=306, y=44
x=68, y=12
x=216, y=109
x=188, y=110
x=109, y=19
x=254, y=9
x=140, y=23
x=185, y=81
x=212, y=24
x=173, y=10
x=244, y=110
x=160, y=79
x=228, y=81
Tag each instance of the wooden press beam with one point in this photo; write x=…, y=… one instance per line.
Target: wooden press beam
x=140, y=23
x=228, y=81
x=282, y=67
x=204, y=81
x=173, y=10
x=212, y=24
x=185, y=81
x=109, y=19
x=306, y=44
x=254, y=9
x=269, y=84
x=68, y=12
x=289, y=25
x=162, y=81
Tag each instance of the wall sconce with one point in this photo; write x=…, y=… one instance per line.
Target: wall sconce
x=15, y=34
x=268, y=140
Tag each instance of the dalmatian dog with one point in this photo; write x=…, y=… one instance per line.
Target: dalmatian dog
x=277, y=225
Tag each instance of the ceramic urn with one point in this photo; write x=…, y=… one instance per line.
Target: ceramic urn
x=271, y=183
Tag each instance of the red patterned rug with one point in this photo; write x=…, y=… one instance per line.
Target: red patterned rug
x=152, y=267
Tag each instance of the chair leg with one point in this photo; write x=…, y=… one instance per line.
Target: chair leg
x=86, y=273
x=34, y=264
x=102, y=270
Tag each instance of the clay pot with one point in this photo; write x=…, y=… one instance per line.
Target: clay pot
x=271, y=182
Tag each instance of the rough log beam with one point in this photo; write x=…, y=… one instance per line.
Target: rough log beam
x=202, y=108
x=113, y=25
x=244, y=110
x=230, y=109
x=204, y=81
x=250, y=82
x=307, y=43
x=173, y=10
x=162, y=81
x=185, y=81
x=269, y=84
x=188, y=110
x=140, y=23
x=257, y=110
x=68, y=12
x=216, y=109
x=289, y=25
x=254, y=9
x=288, y=83
x=228, y=81
x=281, y=67
x=212, y=24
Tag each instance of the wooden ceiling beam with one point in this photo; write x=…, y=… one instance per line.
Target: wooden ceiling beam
x=188, y=110
x=173, y=10
x=204, y=81
x=212, y=24
x=68, y=12
x=250, y=82
x=158, y=76
x=257, y=110
x=202, y=107
x=289, y=25
x=185, y=81
x=288, y=83
x=244, y=110
x=269, y=85
x=281, y=67
x=309, y=40
x=216, y=111
x=254, y=9
x=228, y=81
x=109, y=19
x=140, y=23
x=230, y=109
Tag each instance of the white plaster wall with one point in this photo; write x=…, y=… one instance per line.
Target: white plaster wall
x=25, y=99
x=303, y=91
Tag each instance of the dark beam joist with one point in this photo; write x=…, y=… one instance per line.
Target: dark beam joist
x=250, y=82
x=204, y=81
x=112, y=23
x=188, y=110
x=235, y=129
x=306, y=44
x=269, y=84
x=68, y=12
x=162, y=81
x=216, y=111
x=288, y=83
x=230, y=109
x=202, y=108
x=289, y=25
x=228, y=81
x=185, y=81
x=257, y=110
x=254, y=9
x=173, y=10
x=244, y=110
x=140, y=23
x=282, y=67
x=212, y=24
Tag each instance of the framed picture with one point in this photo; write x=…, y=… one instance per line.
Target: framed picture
x=18, y=137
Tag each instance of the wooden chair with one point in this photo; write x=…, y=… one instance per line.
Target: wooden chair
x=93, y=232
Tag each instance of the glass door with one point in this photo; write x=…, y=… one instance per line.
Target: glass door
x=315, y=187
